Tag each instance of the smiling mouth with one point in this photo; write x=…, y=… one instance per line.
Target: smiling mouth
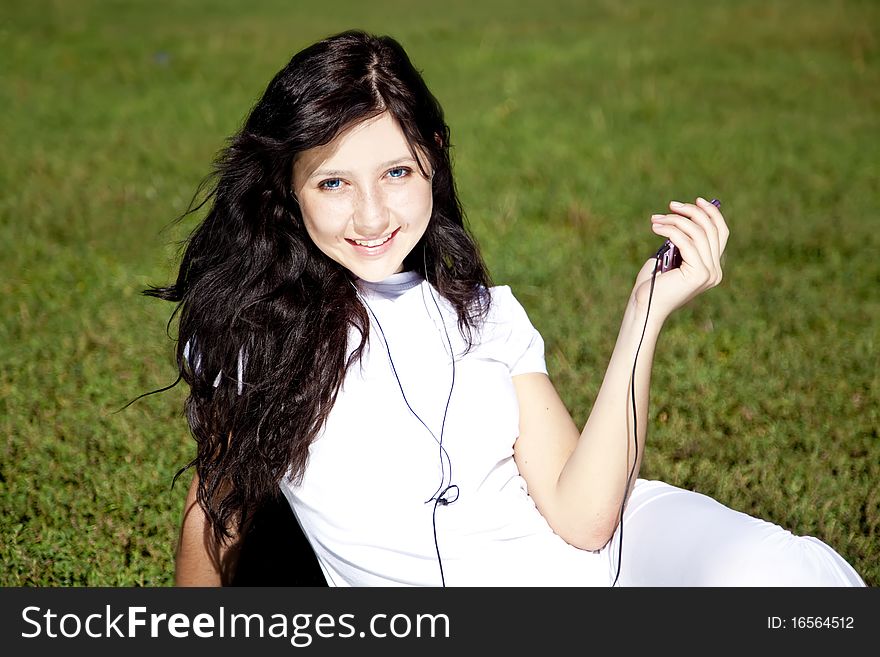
x=372, y=244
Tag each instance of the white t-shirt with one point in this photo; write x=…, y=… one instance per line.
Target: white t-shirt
x=365, y=502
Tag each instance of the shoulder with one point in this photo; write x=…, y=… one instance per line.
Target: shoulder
x=505, y=307
x=510, y=335
x=501, y=293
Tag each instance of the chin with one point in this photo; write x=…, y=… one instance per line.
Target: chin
x=376, y=273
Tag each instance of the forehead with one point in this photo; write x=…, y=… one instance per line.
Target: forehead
x=363, y=146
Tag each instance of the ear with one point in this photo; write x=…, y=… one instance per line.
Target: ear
x=438, y=139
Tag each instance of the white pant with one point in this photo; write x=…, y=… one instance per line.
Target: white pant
x=675, y=537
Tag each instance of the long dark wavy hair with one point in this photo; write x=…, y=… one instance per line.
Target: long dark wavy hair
x=253, y=285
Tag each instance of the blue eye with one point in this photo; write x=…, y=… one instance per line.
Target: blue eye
x=332, y=183
x=399, y=172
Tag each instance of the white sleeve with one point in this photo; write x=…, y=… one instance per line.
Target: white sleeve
x=524, y=348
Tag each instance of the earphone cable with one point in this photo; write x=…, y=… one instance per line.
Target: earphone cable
x=629, y=476
x=439, y=496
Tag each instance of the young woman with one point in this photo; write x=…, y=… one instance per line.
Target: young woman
x=343, y=344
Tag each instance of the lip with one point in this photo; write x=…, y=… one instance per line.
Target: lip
x=374, y=250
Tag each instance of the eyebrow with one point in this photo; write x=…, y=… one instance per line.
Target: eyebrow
x=338, y=172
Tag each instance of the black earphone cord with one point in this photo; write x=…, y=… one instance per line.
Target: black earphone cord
x=632, y=470
x=439, y=496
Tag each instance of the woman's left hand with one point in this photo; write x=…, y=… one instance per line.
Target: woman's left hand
x=700, y=233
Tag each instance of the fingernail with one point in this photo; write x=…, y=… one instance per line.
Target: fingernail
x=702, y=200
x=676, y=204
x=656, y=216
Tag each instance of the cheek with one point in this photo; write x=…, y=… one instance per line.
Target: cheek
x=322, y=223
x=416, y=205
x=427, y=208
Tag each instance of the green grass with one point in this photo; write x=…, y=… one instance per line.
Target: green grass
x=571, y=125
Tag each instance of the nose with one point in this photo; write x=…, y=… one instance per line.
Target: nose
x=371, y=213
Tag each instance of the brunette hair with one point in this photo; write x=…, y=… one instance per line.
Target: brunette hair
x=254, y=293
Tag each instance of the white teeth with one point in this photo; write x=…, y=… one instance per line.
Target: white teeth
x=372, y=242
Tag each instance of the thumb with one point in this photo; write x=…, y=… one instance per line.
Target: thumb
x=646, y=271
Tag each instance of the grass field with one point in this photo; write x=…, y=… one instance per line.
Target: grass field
x=572, y=123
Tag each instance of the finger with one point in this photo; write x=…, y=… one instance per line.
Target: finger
x=697, y=215
x=698, y=238
x=690, y=254
x=717, y=218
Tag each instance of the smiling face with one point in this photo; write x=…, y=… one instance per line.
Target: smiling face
x=364, y=200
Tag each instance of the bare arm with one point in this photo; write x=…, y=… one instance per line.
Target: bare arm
x=578, y=480
x=200, y=560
